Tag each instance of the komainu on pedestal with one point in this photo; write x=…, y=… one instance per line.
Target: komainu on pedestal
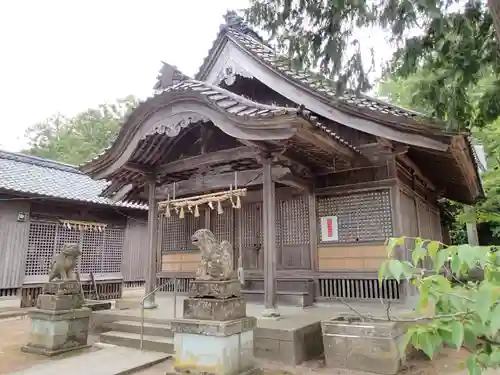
x=60, y=323
x=214, y=336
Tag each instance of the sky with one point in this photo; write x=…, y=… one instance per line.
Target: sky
x=66, y=56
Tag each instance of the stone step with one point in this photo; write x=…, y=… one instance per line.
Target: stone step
x=133, y=340
x=151, y=329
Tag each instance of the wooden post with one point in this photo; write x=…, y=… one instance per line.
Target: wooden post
x=313, y=231
x=472, y=236
x=149, y=303
x=269, y=231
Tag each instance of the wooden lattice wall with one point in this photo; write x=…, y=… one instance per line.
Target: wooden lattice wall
x=362, y=217
x=177, y=232
x=101, y=251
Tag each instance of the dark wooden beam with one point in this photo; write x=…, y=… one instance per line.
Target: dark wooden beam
x=327, y=143
x=221, y=181
x=201, y=161
x=289, y=179
x=144, y=170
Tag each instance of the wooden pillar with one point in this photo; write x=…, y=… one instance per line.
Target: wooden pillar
x=313, y=231
x=269, y=231
x=472, y=236
x=149, y=303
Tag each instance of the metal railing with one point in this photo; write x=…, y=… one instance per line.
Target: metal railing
x=174, y=281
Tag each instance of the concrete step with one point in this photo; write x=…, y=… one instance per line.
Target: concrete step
x=151, y=329
x=133, y=340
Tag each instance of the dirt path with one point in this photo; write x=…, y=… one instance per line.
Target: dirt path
x=448, y=363
x=14, y=334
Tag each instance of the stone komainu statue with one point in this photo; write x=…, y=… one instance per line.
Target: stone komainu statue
x=216, y=258
x=64, y=264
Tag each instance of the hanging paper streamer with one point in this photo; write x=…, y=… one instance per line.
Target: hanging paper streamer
x=83, y=225
x=179, y=205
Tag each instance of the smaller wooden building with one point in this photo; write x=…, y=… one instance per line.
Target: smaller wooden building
x=329, y=177
x=44, y=204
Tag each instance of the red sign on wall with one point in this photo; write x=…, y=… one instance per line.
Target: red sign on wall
x=329, y=228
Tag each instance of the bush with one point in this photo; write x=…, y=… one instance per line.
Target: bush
x=464, y=313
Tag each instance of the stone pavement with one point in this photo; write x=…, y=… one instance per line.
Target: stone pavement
x=109, y=361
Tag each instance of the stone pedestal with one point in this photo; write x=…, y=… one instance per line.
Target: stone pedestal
x=59, y=323
x=364, y=346
x=214, y=336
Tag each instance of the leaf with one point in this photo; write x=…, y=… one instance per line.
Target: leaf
x=495, y=357
x=433, y=248
x=417, y=254
x=396, y=269
x=473, y=368
x=457, y=334
x=467, y=255
x=440, y=259
x=484, y=299
x=456, y=264
x=495, y=319
x=424, y=342
x=470, y=338
x=393, y=242
x=382, y=271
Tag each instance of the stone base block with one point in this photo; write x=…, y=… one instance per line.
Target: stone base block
x=215, y=289
x=213, y=328
x=62, y=287
x=214, y=309
x=290, y=346
x=59, y=301
x=216, y=355
x=54, y=332
x=363, y=346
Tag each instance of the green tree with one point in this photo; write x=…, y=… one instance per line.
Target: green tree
x=75, y=140
x=401, y=91
x=454, y=49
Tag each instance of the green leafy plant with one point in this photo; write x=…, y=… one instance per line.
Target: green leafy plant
x=450, y=310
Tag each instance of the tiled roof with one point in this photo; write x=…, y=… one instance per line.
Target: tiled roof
x=46, y=178
x=235, y=105
x=237, y=30
x=238, y=105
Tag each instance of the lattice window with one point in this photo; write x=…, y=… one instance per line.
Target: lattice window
x=174, y=233
x=177, y=232
x=101, y=251
x=294, y=221
x=112, y=250
x=92, y=247
x=251, y=225
x=361, y=217
x=41, y=241
x=222, y=225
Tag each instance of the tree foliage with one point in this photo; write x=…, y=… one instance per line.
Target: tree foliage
x=404, y=91
x=455, y=47
x=75, y=140
x=451, y=311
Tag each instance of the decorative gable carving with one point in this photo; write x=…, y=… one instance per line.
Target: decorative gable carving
x=226, y=68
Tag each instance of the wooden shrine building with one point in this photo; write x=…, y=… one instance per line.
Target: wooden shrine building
x=328, y=177
x=45, y=204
